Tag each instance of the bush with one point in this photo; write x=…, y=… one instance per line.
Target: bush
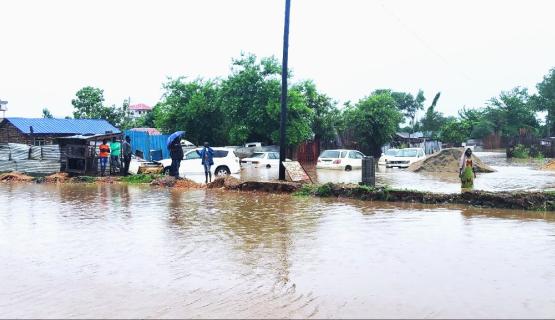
x=324, y=190
x=521, y=152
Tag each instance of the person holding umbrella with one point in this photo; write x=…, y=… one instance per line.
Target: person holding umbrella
x=176, y=152
x=207, y=156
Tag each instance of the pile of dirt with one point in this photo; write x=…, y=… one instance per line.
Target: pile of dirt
x=15, y=177
x=549, y=166
x=186, y=184
x=164, y=181
x=225, y=182
x=60, y=177
x=447, y=160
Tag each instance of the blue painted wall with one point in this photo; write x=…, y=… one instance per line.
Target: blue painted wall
x=146, y=143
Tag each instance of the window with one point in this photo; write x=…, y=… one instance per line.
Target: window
x=407, y=153
x=274, y=155
x=343, y=154
x=355, y=155
x=39, y=142
x=220, y=153
x=192, y=155
x=330, y=154
x=391, y=152
x=258, y=155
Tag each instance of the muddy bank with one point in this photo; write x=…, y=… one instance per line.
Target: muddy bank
x=447, y=160
x=537, y=201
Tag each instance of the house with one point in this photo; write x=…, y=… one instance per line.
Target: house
x=139, y=110
x=41, y=131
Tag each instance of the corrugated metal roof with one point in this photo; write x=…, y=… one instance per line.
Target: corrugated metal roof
x=62, y=126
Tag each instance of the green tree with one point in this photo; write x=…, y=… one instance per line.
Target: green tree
x=46, y=113
x=373, y=121
x=455, y=131
x=193, y=107
x=327, y=118
x=545, y=99
x=89, y=104
x=511, y=112
x=433, y=120
x=250, y=100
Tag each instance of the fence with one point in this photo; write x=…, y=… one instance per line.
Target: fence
x=145, y=145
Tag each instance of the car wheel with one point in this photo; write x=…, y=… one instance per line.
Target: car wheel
x=268, y=166
x=167, y=171
x=348, y=168
x=222, y=171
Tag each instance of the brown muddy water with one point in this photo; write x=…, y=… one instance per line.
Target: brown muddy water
x=510, y=175
x=117, y=251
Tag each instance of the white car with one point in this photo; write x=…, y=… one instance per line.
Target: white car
x=405, y=157
x=340, y=159
x=225, y=163
x=388, y=154
x=262, y=159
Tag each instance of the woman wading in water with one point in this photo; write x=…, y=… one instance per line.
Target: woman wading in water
x=467, y=173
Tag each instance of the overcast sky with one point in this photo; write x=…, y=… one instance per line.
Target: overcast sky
x=468, y=50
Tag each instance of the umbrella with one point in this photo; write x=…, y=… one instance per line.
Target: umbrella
x=174, y=136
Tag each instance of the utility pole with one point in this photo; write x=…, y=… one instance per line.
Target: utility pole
x=283, y=114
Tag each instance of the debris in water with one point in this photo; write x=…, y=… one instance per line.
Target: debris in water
x=549, y=166
x=447, y=160
x=186, y=184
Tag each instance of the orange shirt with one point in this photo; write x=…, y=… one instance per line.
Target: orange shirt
x=104, y=151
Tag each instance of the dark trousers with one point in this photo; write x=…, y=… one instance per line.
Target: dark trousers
x=174, y=168
x=126, y=162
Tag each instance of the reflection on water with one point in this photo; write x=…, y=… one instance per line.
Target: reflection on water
x=510, y=175
x=127, y=251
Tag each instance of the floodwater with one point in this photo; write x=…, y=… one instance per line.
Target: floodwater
x=119, y=251
x=510, y=175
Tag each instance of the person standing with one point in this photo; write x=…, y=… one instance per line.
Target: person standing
x=104, y=153
x=176, y=154
x=115, y=153
x=127, y=152
x=467, y=172
x=207, y=157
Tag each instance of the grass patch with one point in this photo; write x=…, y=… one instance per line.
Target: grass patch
x=140, y=178
x=306, y=190
x=324, y=190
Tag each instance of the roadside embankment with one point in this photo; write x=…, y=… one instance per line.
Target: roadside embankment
x=537, y=201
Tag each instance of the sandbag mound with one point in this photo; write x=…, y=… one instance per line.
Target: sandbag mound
x=60, y=177
x=225, y=182
x=15, y=177
x=447, y=160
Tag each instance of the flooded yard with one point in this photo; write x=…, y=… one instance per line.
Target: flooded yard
x=121, y=251
x=510, y=175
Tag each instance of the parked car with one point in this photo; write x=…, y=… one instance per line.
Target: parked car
x=253, y=144
x=340, y=159
x=225, y=163
x=262, y=159
x=388, y=154
x=405, y=157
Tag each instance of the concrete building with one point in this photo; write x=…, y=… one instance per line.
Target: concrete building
x=139, y=110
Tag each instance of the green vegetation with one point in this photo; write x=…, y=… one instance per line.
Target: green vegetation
x=140, y=178
x=89, y=104
x=245, y=106
x=521, y=152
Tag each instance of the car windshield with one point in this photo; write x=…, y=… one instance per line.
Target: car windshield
x=258, y=155
x=391, y=152
x=407, y=153
x=330, y=154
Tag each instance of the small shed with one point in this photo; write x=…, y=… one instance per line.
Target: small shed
x=43, y=131
x=81, y=152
